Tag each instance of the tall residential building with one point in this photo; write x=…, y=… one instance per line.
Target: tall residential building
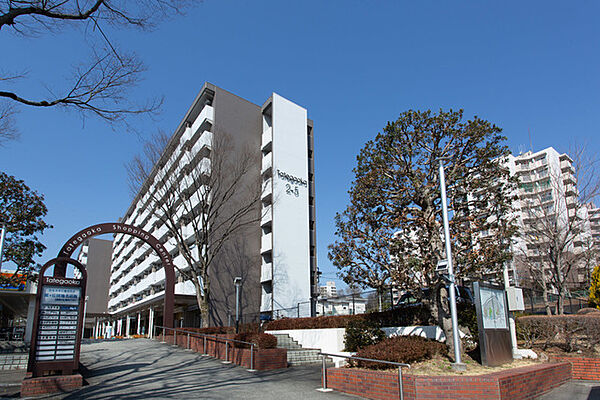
x=275, y=255
x=547, y=191
x=95, y=255
x=329, y=290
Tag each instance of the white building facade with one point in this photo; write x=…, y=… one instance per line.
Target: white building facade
x=547, y=191
x=277, y=252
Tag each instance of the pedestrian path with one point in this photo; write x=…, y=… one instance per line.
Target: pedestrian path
x=146, y=369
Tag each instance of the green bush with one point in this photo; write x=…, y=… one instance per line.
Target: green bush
x=261, y=340
x=402, y=349
x=361, y=333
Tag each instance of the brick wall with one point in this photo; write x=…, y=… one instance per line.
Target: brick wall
x=585, y=368
x=50, y=384
x=264, y=359
x=515, y=384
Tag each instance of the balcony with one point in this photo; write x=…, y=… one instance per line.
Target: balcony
x=206, y=115
x=266, y=272
x=267, y=164
x=267, y=192
x=266, y=244
x=203, y=142
x=267, y=139
x=267, y=215
x=266, y=301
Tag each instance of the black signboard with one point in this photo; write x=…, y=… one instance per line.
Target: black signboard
x=492, y=320
x=58, y=321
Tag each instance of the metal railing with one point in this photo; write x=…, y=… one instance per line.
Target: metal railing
x=205, y=336
x=399, y=365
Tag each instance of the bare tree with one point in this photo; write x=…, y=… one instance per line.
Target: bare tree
x=206, y=199
x=555, y=214
x=99, y=86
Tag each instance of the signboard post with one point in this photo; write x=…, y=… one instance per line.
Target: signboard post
x=58, y=321
x=492, y=321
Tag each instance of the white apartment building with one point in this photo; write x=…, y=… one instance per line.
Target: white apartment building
x=547, y=189
x=349, y=305
x=275, y=256
x=329, y=290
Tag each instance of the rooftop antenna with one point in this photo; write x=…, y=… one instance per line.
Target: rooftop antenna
x=530, y=144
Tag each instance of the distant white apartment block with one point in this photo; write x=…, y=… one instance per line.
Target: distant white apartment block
x=277, y=253
x=329, y=290
x=547, y=189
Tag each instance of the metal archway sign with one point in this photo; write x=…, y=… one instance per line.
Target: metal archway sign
x=126, y=229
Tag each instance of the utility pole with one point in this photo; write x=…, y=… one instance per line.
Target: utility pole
x=457, y=365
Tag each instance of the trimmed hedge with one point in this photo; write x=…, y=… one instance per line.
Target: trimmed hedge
x=403, y=316
x=588, y=310
x=402, y=349
x=569, y=332
x=261, y=340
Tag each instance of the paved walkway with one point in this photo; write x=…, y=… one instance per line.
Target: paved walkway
x=575, y=390
x=145, y=369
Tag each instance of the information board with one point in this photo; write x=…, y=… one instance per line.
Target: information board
x=58, y=319
x=493, y=308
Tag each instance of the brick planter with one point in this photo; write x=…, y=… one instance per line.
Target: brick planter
x=585, y=368
x=264, y=359
x=515, y=384
x=50, y=384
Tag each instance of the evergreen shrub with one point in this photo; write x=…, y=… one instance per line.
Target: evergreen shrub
x=402, y=349
x=361, y=333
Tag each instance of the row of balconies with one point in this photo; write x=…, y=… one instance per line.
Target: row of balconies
x=204, y=141
x=152, y=223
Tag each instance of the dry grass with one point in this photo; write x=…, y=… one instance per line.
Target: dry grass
x=443, y=366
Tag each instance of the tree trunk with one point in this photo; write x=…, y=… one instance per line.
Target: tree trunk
x=440, y=312
x=202, y=304
x=545, y=293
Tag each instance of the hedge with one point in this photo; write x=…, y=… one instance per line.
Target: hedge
x=402, y=316
x=402, y=349
x=261, y=340
x=569, y=332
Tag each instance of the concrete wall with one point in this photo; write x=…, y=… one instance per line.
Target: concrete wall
x=291, y=252
x=239, y=122
x=99, y=255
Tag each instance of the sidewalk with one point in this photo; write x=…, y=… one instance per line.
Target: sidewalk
x=145, y=369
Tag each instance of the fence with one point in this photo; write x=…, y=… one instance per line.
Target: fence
x=534, y=302
x=391, y=297
x=205, y=338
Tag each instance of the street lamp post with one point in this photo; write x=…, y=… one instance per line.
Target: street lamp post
x=2, y=234
x=457, y=365
x=238, y=283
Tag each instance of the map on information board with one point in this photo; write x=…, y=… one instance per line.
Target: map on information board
x=493, y=308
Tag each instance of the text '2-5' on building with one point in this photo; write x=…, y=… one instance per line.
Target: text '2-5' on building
x=263, y=157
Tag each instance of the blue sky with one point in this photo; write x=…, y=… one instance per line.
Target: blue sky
x=526, y=66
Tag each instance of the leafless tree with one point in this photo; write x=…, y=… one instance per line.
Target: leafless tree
x=555, y=215
x=99, y=86
x=206, y=199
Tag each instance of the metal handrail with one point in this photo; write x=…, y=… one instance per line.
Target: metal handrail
x=214, y=337
x=399, y=365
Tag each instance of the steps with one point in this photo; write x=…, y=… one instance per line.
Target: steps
x=296, y=354
x=11, y=361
